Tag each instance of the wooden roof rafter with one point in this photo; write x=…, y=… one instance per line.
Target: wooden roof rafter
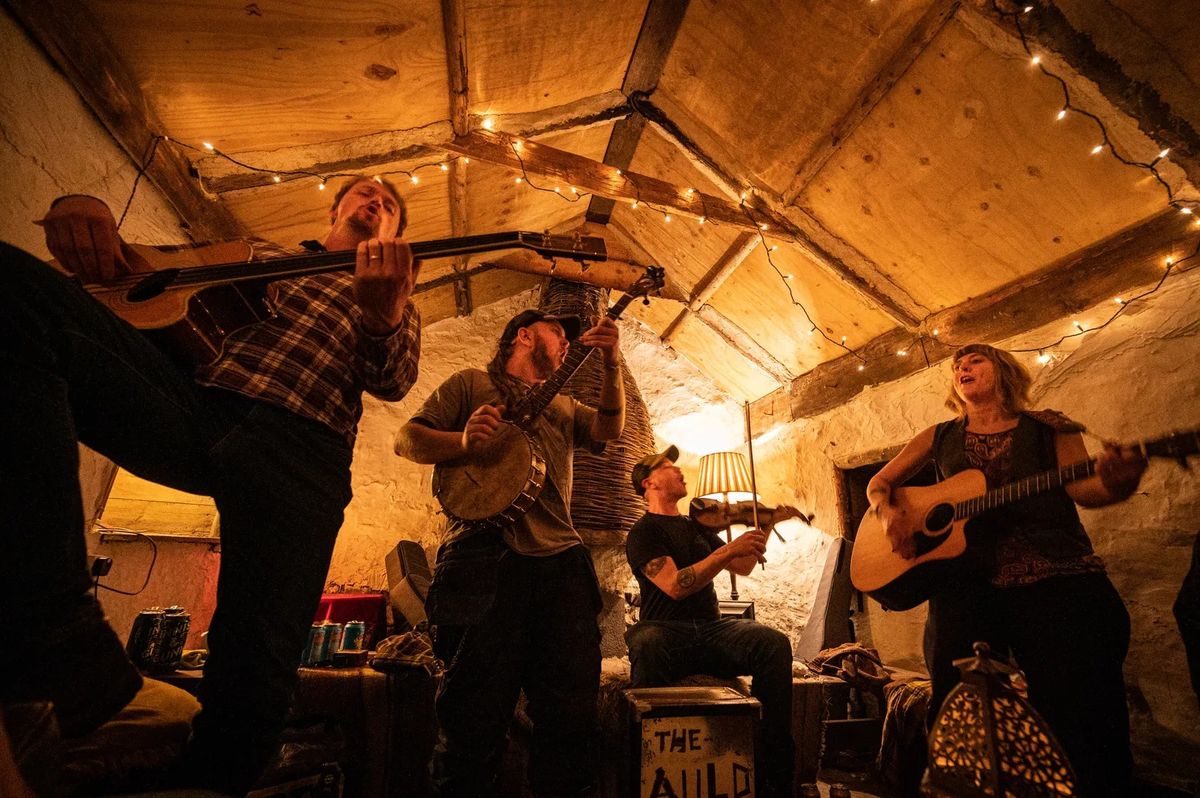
x=657, y=35
x=1128, y=260
x=454, y=26
x=73, y=39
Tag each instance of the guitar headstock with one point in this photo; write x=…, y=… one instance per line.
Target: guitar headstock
x=576, y=247
x=653, y=280
x=1179, y=446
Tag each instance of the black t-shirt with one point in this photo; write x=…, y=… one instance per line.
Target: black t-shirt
x=685, y=542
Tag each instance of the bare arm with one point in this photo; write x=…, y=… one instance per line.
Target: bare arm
x=424, y=444
x=879, y=490
x=1118, y=471
x=610, y=415
x=679, y=583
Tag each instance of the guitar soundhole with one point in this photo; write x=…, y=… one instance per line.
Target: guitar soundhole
x=939, y=517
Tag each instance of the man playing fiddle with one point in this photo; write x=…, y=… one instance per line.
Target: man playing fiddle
x=681, y=632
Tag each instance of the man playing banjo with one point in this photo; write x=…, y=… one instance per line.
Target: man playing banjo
x=514, y=605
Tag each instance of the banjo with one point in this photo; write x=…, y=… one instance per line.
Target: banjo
x=498, y=484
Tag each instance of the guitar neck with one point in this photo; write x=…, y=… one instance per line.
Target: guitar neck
x=310, y=263
x=538, y=397
x=1179, y=446
x=1024, y=488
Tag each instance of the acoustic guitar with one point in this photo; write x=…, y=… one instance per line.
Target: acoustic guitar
x=190, y=299
x=498, y=485
x=938, y=515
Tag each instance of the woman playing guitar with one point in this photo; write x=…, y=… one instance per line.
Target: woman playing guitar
x=1030, y=583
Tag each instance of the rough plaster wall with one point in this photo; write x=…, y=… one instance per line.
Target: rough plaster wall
x=1138, y=378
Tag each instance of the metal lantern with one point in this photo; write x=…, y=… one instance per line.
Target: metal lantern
x=988, y=741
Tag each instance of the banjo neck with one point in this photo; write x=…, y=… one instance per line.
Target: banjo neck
x=526, y=411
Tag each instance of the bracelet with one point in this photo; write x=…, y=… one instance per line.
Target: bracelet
x=610, y=411
x=74, y=196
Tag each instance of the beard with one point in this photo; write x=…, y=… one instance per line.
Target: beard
x=541, y=359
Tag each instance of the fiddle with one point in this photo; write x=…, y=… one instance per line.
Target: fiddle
x=716, y=514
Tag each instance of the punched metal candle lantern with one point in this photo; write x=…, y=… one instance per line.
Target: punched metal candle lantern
x=988, y=741
x=723, y=474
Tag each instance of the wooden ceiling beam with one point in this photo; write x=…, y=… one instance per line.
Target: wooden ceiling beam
x=925, y=31
x=827, y=250
x=722, y=270
x=1126, y=261
x=655, y=39
x=73, y=39
x=454, y=28
x=1139, y=120
x=362, y=153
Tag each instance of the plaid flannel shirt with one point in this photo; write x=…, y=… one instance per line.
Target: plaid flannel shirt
x=313, y=356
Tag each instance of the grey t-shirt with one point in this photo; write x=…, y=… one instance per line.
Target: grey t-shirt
x=563, y=426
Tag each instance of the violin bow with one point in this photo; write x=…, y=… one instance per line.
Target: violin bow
x=753, y=480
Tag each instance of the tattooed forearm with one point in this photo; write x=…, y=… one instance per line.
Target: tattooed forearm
x=652, y=568
x=686, y=578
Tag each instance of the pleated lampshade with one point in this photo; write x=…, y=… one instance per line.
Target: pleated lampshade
x=724, y=475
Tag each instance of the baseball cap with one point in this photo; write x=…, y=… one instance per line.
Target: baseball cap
x=648, y=464
x=570, y=323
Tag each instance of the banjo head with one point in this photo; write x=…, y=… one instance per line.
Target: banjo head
x=506, y=475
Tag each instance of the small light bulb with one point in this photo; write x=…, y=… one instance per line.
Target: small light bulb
x=466, y=159
x=208, y=146
x=277, y=178
x=1078, y=326
x=689, y=193
x=789, y=277
x=489, y=123
x=444, y=167
x=1037, y=59
x=861, y=367
x=1062, y=114
x=1186, y=211
x=518, y=179
x=843, y=340
x=415, y=179
x=762, y=226
x=743, y=196
x=1098, y=148
x=1027, y=9
x=322, y=186
x=618, y=171
x=557, y=190
x=518, y=143
x=1043, y=357
x=813, y=330
x=634, y=205
x=1119, y=301
x=574, y=190
x=1170, y=261
x=1163, y=154
x=773, y=248
x=902, y=352
x=701, y=220
x=666, y=217
x=935, y=332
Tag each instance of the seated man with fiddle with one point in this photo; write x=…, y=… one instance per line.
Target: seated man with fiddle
x=681, y=632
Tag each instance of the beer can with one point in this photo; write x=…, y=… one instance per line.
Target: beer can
x=145, y=638
x=173, y=632
x=354, y=636
x=333, y=641
x=318, y=633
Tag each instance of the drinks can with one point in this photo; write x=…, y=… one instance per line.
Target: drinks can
x=354, y=636
x=333, y=641
x=173, y=632
x=145, y=638
x=318, y=634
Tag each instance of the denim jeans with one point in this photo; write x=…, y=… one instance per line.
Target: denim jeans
x=662, y=652
x=72, y=371
x=538, y=634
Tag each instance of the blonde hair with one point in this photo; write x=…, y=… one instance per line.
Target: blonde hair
x=1012, y=379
